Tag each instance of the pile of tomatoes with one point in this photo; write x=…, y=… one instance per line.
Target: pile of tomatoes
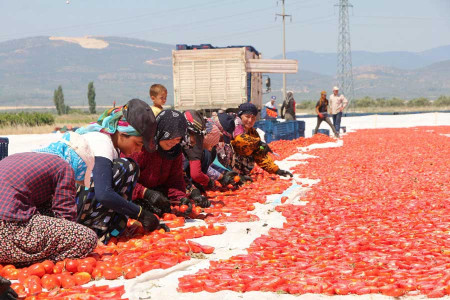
x=128, y=257
x=287, y=148
x=377, y=222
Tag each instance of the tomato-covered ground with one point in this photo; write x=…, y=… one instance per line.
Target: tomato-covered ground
x=377, y=222
x=366, y=215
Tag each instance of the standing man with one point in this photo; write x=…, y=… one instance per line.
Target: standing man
x=337, y=105
x=288, y=108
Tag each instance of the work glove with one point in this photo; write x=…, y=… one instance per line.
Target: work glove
x=6, y=292
x=199, y=199
x=265, y=148
x=155, y=202
x=283, y=173
x=211, y=184
x=186, y=201
x=148, y=220
x=246, y=178
x=164, y=226
x=228, y=178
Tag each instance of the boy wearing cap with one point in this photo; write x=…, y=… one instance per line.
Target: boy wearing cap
x=337, y=105
x=37, y=203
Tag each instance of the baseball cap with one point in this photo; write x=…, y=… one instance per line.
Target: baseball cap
x=139, y=114
x=273, y=98
x=335, y=88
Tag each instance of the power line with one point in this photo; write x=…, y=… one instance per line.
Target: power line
x=308, y=22
x=214, y=19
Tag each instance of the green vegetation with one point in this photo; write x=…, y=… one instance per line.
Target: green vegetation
x=91, y=97
x=383, y=103
x=26, y=119
x=58, y=99
x=442, y=101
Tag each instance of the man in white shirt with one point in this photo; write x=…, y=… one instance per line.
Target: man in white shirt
x=337, y=104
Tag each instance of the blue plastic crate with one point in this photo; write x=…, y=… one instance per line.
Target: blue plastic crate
x=300, y=125
x=3, y=147
x=266, y=125
x=301, y=133
x=284, y=128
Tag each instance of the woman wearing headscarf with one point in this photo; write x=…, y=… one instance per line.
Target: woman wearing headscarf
x=196, y=126
x=322, y=113
x=105, y=205
x=204, y=153
x=161, y=181
x=249, y=148
x=37, y=203
x=288, y=107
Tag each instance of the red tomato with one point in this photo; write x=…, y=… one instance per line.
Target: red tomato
x=82, y=278
x=37, y=269
x=85, y=267
x=111, y=274
x=131, y=272
x=48, y=266
x=10, y=273
x=183, y=208
x=237, y=179
x=67, y=281
x=71, y=265
x=50, y=282
x=34, y=288
x=19, y=289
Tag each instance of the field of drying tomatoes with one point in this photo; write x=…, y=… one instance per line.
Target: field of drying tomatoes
x=377, y=222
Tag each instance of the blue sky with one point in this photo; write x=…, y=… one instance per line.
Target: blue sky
x=375, y=25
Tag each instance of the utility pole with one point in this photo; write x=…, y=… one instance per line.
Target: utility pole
x=284, y=45
x=344, y=62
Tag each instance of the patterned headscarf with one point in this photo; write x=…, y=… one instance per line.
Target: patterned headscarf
x=109, y=122
x=76, y=151
x=171, y=124
x=195, y=122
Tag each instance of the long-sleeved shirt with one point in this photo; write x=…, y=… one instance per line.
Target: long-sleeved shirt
x=337, y=103
x=247, y=144
x=159, y=172
x=31, y=180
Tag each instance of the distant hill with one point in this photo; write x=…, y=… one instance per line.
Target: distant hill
x=325, y=63
x=375, y=81
x=123, y=68
x=31, y=69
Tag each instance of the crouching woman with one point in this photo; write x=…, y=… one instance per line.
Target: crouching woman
x=37, y=203
x=249, y=148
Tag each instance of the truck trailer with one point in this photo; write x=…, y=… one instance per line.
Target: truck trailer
x=209, y=78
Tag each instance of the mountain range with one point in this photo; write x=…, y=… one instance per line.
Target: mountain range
x=124, y=68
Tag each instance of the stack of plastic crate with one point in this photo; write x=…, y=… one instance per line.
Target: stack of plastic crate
x=275, y=130
x=3, y=147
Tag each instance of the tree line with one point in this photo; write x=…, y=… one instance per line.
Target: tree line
x=442, y=101
x=62, y=108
